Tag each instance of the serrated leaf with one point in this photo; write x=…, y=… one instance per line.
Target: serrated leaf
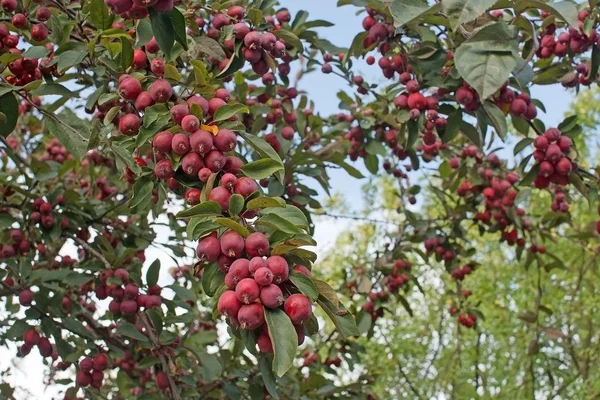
x=305, y=285
x=460, y=12
x=262, y=168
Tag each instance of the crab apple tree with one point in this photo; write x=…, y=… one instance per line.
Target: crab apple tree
x=140, y=133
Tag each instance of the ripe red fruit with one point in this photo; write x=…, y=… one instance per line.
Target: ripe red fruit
x=263, y=276
x=253, y=40
x=552, y=134
x=214, y=104
x=225, y=140
x=143, y=101
x=130, y=88
x=214, y=160
x=279, y=267
x=43, y=14
x=256, y=263
x=45, y=347
x=190, y=123
x=178, y=111
x=247, y=290
x=228, y=304
x=240, y=30
x=264, y=342
x=201, y=141
x=26, y=297
x=129, y=307
x=251, y=316
x=19, y=20
x=518, y=107
x=180, y=143
x=162, y=381
x=31, y=337
x=228, y=180
x=162, y=141
x=553, y=153
x=221, y=195
x=546, y=169
x=9, y=5
x=245, y=186
x=208, y=249
x=271, y=296
x=101, y=362
x=417, y=101
x=191, y=164
x=83, y=379
x=86, y=364
x=139, y=57
x=540, y=143
x=129, y=124
x=114, y=307
x=157, y=66
x=232, y=244
x=257, y=244
x=160, y=91
x=563, y=166
x=119, y=6
x=239, y=270
x=163, y=169
x=39, y=32
x=199, y=100
x=298, y=308
x=564, y=142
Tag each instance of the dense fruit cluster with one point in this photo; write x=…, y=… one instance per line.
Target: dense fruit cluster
x=552, y=152
x=254, y=282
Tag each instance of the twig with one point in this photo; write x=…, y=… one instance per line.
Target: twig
x=94, y=252
x=163, y=360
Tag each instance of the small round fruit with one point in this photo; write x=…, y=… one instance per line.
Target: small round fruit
x=251, y=316
x=279, y=267
x=263, y=276
x=298, y=308
x=208, y=249
x=257, y=245
x=247, y=290
x=228, y=304
x=271, y=296
x=232, y=244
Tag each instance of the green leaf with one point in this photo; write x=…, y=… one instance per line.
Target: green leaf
x=497, y=118
x=406, y=11
x=210, y=47
x=37, y=51
x=182, y=292
x=126, y=57
x=153, y=273
x=595, y=62
x=99, y=14
x=264, y=202
x=372, y=163
x=178, y=23
x=162, y=28
x=565, y=10
x=130, y=331
x=212, y=279
x=488, y=57
x=279, y=223
x=206, y=208
x=142, y=195
x=522, y=145
x=341, y=318
x=264, y=149
x=68, y=136
x=262, y=168
x=9, y=106
x=375, y=147
x=70, y=58
x=236, y=204
x=290, y=213
x=471, y=132
x=234, y=226
x=50, y=88
x=143, y=32
x=305, y=285
x=460, y=12
x=229, y=110
x=284, y=339
x=267, y=375
x=289, y=38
